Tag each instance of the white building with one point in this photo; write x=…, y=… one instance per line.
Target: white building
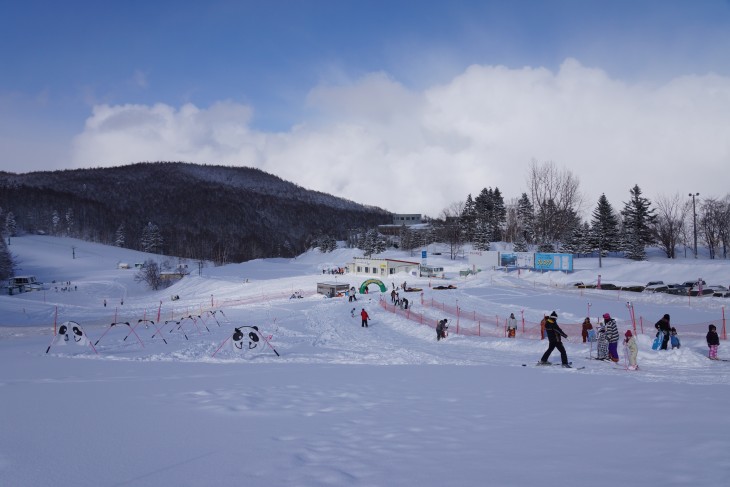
x=382, y=268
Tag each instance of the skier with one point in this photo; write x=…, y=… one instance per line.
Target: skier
x=602, y=342
x=713, y=341
x=554, y=333
x=584, y=329
x=612, y=336
x=405, y=303
x=441, y=328
x=630, y=343
x=663, y=326
x=511, y=325
x=364, y=316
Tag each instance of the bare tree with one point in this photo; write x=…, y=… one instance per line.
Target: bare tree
x=710, y=223
x=669, y=225
x=150, y=274
x=449, y=227
x=555, y=196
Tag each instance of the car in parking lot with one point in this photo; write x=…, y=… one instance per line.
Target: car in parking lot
x=655, y=287
x=679, y=289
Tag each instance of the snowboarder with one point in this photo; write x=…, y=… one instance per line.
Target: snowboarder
x=441, y=328
x=713, y=341
x=602, y=342
x=674, y=339
x=511, y=326
x=663, y=326
x=364, y=316
x=585, y=328
x=554, y=333
x=612, y=336
x=633, y=349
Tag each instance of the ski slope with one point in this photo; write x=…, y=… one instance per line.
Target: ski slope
x=342, y=404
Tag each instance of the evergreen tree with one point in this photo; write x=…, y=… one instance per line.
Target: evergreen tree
x=604, y=226
x=407, y=238
x=119, y=236
x=469, y=219
x=55, y=221
x=638, y=220
x=69, y=221
x=498, y=216
x=369, y=242
x=520, y=245
x=11, y=229
x=151, y=239
x=481, y=236
x=574, y=243
x=6, y=261
x=526, y=218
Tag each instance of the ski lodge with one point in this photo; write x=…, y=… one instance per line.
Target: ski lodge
x=382, y=268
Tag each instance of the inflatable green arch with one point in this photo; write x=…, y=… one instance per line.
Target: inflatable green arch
x=365, y=285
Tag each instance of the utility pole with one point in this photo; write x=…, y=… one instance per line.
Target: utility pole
x=694, y=219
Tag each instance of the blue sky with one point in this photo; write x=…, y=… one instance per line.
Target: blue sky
x=285, y=85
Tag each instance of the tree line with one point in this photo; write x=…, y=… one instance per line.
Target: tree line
x=546, y=218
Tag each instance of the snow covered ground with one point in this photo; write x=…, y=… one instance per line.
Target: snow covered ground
x=346, y=405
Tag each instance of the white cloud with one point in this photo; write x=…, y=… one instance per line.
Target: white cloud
x=376, y=142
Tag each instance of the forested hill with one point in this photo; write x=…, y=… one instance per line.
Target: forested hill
x=225, y=214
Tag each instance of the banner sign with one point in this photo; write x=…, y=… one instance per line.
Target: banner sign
x=554, y=262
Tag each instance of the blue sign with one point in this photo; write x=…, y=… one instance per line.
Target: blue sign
x=554, y=262
x=423, y=254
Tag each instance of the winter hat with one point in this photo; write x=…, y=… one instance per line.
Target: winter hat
x=712, y=328
x=606, y=316
x=666, y=317
x=554, y=314
x=628, y=333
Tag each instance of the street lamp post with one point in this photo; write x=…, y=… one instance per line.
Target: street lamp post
x=694, y=219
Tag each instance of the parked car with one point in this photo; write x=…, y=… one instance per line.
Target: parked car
x=695, y=283
x=679, y=289
x=659, y=287
x=654, y=283
x=720, y=291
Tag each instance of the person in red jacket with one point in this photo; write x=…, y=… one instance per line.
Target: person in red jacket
x=364, y=315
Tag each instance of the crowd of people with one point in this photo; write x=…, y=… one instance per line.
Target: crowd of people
x=606, y=337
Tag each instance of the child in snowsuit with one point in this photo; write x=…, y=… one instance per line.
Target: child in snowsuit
x=630, y=343
x=441, y=328
x=674, y=339
x=612, y=336
x=584, y=329
x=364, y=316
x=511, y=325
x=602, y=342
x=713, y=341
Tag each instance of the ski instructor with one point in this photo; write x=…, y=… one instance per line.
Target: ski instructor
x=554, y=333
